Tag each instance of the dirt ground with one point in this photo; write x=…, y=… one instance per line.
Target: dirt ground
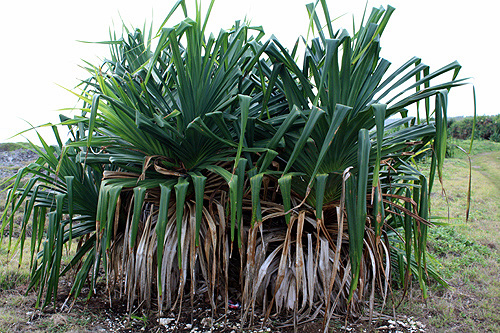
x=95, y=315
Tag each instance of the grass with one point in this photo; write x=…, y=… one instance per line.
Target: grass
x=479, y=146
x=17, y=307
x=11, y=274
x=467, y=252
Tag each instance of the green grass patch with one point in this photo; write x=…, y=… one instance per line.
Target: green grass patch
x=479, y=146
x=12, y=273
x=458, y=252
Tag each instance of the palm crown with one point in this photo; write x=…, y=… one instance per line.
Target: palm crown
x=206, y=153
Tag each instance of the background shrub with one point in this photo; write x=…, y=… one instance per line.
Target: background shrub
x=487, y=127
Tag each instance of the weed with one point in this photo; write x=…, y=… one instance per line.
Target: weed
x=12, y=279
x=446, y=241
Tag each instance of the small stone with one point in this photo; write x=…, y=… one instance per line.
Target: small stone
x=206, y=322
x=58, y=319
x=189, y=326
x=165, y=321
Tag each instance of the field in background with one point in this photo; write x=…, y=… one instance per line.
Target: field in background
x=467, y=254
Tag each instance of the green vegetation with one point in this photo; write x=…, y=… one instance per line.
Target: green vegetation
x=479, y=147
x=487, y=128
x=203, y=163
x=10, y=146
x=448, y=242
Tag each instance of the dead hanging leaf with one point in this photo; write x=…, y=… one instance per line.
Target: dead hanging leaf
x=211, y=247
x=374, y=279
x=406, y=211
x=299, y=262
x=167, y=172
x=145, y=166
x=281, y=269
x=336, y=259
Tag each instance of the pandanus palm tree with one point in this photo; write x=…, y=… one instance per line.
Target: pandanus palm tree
x=209, y=156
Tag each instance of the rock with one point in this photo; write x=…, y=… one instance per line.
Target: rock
x=59, y=319
x=206, y=322
x=165, y=321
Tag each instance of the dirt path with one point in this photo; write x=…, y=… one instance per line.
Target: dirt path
x=488, y=164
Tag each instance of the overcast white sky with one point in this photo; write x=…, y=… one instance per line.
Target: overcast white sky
x=40, y=49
